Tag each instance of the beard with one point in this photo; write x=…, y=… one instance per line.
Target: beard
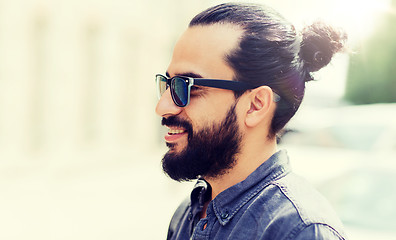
x=210, y=152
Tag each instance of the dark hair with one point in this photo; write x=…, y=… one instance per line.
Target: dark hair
x=271, y=53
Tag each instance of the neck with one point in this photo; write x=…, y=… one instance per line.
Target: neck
x=252, y=155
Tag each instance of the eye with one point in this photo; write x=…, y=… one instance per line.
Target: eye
x=195, y=91
x=195, y=88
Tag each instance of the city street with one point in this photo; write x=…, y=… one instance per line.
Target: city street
x=121, y=198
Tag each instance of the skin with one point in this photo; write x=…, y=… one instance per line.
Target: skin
x=201, y=50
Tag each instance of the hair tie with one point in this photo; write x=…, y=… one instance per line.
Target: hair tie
x=318, y=57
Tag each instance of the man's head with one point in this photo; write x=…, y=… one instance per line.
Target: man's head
x=204, y=136
x=236, y=42
x=272, y=53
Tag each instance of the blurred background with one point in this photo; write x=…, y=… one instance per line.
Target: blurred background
x=80, y=144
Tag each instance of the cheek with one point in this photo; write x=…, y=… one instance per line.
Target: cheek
x=209, y=116
x=210, y=109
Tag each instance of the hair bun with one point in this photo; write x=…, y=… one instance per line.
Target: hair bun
x=319, y=43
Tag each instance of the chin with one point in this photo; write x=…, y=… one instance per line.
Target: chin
x=175, y=147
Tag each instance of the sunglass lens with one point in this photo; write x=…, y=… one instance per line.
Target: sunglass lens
x=161, y=85
x=180, y=91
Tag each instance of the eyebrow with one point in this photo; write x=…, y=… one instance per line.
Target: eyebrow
x=186, y=74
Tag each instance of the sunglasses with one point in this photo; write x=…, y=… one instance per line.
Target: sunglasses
x=180, y=87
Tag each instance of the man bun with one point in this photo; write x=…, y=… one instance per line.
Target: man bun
x=319, y=43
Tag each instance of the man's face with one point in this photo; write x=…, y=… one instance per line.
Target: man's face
x=203, y=137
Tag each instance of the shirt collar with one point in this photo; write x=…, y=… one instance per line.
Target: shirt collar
x=231, y=200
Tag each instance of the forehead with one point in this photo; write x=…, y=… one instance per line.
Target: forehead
x=202, y=50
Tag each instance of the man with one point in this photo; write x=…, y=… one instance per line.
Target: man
x=236, y=77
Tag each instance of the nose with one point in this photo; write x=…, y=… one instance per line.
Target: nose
x=166, y=107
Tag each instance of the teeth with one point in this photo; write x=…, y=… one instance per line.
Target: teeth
x=175, y=131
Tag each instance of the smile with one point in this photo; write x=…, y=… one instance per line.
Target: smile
x=175, y=134
x=175, y=131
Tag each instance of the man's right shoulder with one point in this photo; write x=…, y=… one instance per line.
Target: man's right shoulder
x=178, y=216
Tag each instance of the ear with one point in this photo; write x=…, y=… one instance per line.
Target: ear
x=261, y=103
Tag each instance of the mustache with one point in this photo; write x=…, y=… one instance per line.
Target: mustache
x=174, y=121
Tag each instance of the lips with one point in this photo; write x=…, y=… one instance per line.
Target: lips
x=179, y=130
x=174, y=134
x=176, y=131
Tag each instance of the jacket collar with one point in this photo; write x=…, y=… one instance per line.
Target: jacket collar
x=231, y=200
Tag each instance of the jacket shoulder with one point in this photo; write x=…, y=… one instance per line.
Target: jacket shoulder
x=177, y=217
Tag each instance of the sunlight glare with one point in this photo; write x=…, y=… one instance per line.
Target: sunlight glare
x=358, y=17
